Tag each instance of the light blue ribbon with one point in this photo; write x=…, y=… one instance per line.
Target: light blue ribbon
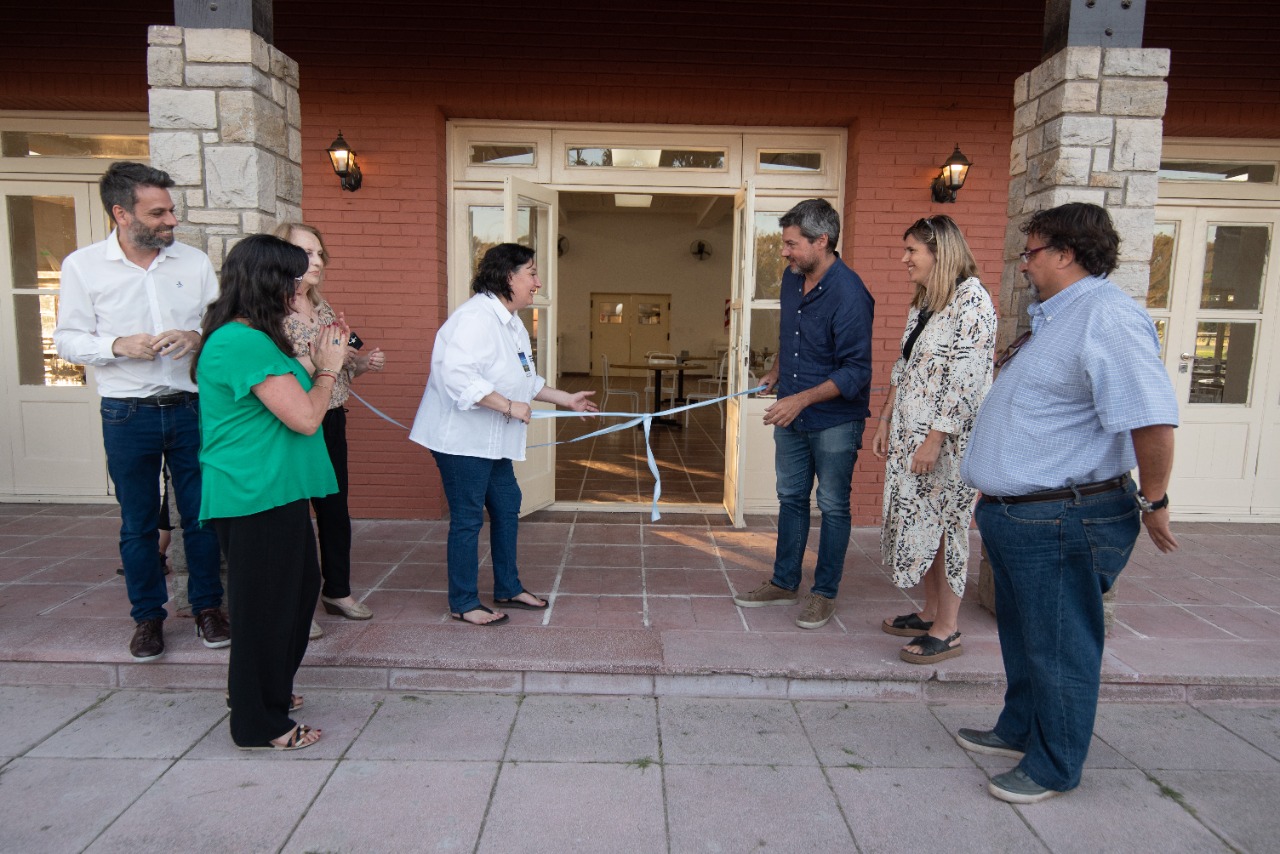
x=633, y=419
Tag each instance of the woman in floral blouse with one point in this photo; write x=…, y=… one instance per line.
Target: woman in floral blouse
x=937, y=385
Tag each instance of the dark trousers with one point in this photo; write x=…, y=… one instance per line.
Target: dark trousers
x=333, y=520
x=272, y=583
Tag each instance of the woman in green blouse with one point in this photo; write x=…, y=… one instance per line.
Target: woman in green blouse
x=262, y=459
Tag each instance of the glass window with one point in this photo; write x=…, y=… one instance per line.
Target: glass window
x=42, y=231
x=503, y=155
x=765, y=330
x=1161, y=324
x=532, y=320
x=486, y=229
x=649, y=314
x=14, y=143
x=1243, y=173
x=791, y=161
x=38, y=362
x=1223, y=364
x=1162, y=249
x=1235, y=266
x=610, y=313
x=770, y=265
x=645, y=158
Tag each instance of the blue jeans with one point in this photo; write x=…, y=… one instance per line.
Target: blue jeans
x=138, y=440
x=1052, y=561
x=472, y=485
x=799, y=456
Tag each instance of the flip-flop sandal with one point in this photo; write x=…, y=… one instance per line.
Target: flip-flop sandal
x=462, y=618
x=906, y=626
x=297, y=740
x=523, y=606
x=932, y=649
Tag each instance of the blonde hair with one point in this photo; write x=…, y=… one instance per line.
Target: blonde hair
x=953, y=260
x=285, y=231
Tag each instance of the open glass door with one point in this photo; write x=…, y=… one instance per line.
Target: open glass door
x=51, y=421
x=739, y=375
x=530, y=214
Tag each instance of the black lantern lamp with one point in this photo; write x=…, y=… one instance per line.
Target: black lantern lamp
x=949, y=182
x=345, y=165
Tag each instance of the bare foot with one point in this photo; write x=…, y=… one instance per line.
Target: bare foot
x=297, y=738
x=480, y=616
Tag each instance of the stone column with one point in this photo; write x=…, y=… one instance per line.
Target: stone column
x=1087, y=127
x=226, y=125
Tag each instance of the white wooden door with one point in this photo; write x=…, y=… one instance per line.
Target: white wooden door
x=1220, y=349
x=53, y=432
x=530, y=213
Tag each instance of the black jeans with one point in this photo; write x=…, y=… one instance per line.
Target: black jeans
x=333, y=519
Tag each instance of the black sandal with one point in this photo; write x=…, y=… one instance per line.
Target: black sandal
x=462, y=618
x=513, y=602
x=906, y=626
x=931, y=649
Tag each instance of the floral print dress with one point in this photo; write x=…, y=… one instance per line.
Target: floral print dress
x=940, y=388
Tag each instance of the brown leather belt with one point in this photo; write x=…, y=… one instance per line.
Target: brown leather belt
x=1063, y=494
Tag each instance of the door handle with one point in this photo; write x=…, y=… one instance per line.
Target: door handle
x=1186, y=357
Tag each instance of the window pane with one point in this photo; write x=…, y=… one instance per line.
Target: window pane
x=1235, y=265
x=503, y=155
x=765, y=331
x=1161, y=324
x=770, y=265
x=1242, y=173
x=791, y=161
x=115, y=146
x=610, y=313
x=38, y=362
x=645, y=158
x=486, y=232
x=649, y=314
x=42, y=231
x=1223, y=364
x=532, y=320
x=1162, y=248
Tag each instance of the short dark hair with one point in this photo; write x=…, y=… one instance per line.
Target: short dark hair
x=814, y=218
x=119, y=185
x=493, y=276
x=258, y=280
x=1083, y=228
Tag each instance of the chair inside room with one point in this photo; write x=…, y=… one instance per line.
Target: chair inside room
x=668, y=380
x=612, y=391
x=710, y=388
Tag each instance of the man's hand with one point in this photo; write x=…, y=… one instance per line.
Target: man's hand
x=1157, y=522
x=176, y=343
x=140, y=346
x=784, y=410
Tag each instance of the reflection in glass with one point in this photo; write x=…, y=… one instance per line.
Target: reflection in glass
x=645, y=158
x=1223, y=364
x=15, y=143
x=42, y=231
x=770, y=265
x=532, y=320
x=649, y=314
x=1243, y=173
x=765, y=331
x=1162, y=248
x=35, y=317
x=1160, y=323
x=1235, y=265
x=791, y=161
x=610, y=313
x=503, y=155
x=485, y=224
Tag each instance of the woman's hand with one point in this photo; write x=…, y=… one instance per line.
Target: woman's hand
x=578, y=402
x=329, y=348
x=521, y=411
x=880, y=443
x=925, y=459
x=374, y=360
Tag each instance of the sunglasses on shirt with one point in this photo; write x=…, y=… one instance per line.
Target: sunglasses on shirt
x=1007, y=354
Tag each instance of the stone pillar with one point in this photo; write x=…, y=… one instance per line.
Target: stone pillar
x=1087, y=127
x=226, y=125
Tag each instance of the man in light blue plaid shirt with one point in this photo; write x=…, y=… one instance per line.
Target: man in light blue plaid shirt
x=1086, y=399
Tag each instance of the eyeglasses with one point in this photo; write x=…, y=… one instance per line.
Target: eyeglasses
x=1026, y=254
x=1009, y=352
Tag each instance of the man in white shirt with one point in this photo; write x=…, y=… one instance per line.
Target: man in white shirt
x=131, y=307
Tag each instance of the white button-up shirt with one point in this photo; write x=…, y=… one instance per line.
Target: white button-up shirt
x=106, y=296
x=481, y=348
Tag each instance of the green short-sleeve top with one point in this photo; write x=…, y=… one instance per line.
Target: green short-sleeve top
x=250, y=460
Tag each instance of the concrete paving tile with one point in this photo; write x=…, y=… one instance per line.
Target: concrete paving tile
x=245, y=806
x=721, y=685
x=545, y=808
x=588, y=683
x=603, y=555
x=1258, y=590
x=595, y=581
x=575, y=610
x=15, y=568
x=59, y=805
x=880, y=735
x=438, y=726
x=377, y=530
x=585, y=729
x=32, y=600
x=731, y=731
x=699, y=557
x=1194, y=662
x=753, y=808
x=51, y=673
x=852, y=690
x=1250, y=623
x=42, y=546
x=610, y=534
x=377, y=806
x=138, y=725
x=428, y=679
x=1167, y=621
x=686, y=582
x=704, y=613
x=1236, y=805
x=408, y=606
x=31, y=713
x=887, y=806
x=77, y=570
x=1177, y=737
x=1117, y=810
x=1258, y=725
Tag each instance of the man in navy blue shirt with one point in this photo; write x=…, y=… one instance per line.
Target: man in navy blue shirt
x=823, y=380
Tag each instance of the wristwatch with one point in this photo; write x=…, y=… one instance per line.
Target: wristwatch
x=1151, y=506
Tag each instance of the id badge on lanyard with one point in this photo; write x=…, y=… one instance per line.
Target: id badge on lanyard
x=524, y=363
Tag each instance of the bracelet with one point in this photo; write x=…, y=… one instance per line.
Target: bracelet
x=507, y=416
x=329, y=371
x=884, y=418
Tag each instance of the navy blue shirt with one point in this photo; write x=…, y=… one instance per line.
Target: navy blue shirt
x=826, y=335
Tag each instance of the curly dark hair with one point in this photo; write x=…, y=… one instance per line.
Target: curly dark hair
x=493, y=276
x=1083, y=228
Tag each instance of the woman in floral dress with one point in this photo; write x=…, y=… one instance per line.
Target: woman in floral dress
x=937, y=385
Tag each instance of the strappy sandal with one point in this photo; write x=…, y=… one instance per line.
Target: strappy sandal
x=906, y=626
x=931, y=649
x=297, y=739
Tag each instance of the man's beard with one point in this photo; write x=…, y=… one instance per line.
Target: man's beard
x=1032, y=290
x=148, y=238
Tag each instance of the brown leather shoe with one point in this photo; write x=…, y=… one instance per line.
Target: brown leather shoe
x=148, y=640
x=213, y=629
